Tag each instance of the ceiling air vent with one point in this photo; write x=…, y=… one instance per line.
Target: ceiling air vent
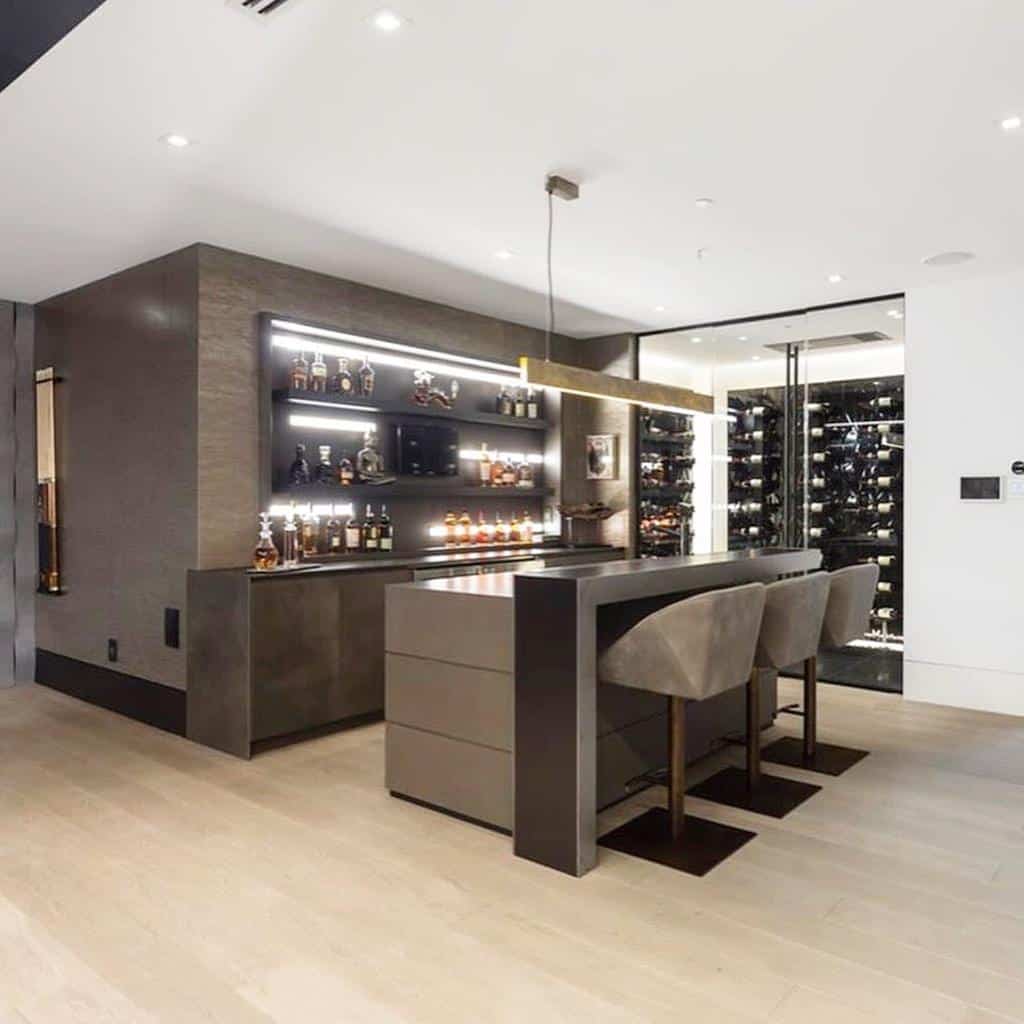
x=838, y=340
x=261, y=9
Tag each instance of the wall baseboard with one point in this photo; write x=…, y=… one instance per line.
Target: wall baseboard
x=145, y=701
x=978, y=689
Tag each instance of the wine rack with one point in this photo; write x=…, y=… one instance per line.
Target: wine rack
x=665, y=518
x=755, y=469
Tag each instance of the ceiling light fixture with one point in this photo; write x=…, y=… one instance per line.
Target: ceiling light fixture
x=388, y=21
x=742, y=337
x=896, y=314
x=952, y=258
x=504, y=254
x=835, y=278
x=176, y=140
x=1011, y=124
x=659, y=309
x=696, y=341
x=756, y=358
x=703, y=203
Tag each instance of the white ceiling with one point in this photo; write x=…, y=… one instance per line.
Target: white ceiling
x=855, y=136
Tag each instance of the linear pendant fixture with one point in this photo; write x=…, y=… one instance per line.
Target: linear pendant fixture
x=575, y=380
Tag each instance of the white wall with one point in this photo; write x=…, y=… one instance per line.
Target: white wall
x=964, y=576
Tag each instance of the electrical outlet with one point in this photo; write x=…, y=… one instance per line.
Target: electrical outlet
x=111, y=649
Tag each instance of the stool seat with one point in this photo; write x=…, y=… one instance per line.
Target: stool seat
x=690, y=650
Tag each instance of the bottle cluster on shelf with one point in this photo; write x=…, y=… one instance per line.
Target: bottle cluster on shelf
x=755, y=468
x=665, y=511
x=518, y=403
x=310, y=533
x=459, y=530
x=364, y=465
x=314, y=377
x=503, y=469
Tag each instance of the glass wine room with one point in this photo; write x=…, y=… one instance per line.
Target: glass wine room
x=806, y=449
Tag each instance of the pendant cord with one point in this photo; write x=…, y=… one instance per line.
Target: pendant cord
x=551, y=286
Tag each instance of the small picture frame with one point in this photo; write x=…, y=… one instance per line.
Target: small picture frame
x=602, y=457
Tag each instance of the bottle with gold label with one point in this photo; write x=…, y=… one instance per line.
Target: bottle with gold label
x=335, y=536
x=497, y=473
x=310, y=534
x=300, y=373
x=318, y=375
x=485, y=466
x=343, y=383
x=508, y=474
x=353, y=534
x=386, y=530
x=483, y=530
x=464, y=529
x=451, y=523
x=265, y=556
x=524, y=474
x=367, y=378
x=500, y=530
x=371, y=531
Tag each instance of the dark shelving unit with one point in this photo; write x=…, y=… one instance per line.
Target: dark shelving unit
x=665, y=485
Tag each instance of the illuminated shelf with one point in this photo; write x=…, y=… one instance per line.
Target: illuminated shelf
x=311, y=403
x=424, y=489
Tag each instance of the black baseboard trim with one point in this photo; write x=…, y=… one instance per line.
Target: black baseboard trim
x=314, y=732
x=450, y=814
x=145, y=701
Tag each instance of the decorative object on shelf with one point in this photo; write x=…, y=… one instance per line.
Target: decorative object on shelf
x=601, y=456
x=291, y=540
x=299, y=472
x=265, y=555
x=343, y=383
x=426, y=394
x=46, y=481
x=367, y=378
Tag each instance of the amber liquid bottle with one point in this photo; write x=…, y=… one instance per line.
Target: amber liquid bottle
x=387, y=531
x=265, y=556
x=353, y=534
x=300, y=373
x=451, y=524
x=464, y=530
x=371, y=531
x=318, y=375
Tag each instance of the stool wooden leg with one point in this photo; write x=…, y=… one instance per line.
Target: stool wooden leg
x=754, y=729
x=810, y=707
x=677, y=765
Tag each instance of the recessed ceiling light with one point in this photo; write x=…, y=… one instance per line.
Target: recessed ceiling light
x=1011, y=124
x=176, y=140
x=703, y=203
x=896, y=314
x=504, y=254
x=659, y=309
x=696, y=341
x=835, y=278
x=743, y=337
x=755, y=358
x=388, y=21
x=948, y=259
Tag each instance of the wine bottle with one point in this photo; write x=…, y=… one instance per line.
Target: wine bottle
x=371, y=532
x=353, y=534
x=386, y=541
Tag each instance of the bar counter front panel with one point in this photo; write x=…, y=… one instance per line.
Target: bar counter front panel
x=556, y=691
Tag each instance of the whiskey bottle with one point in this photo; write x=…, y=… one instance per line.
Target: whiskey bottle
x=497, y=473
x=527, y=528
x=346, y=472
x=310, y=535
x=506, y=407
x=501, y=532
x=387, y=531
x=342, y=383
x=524, y=475
x=532, y=407
x=318, y=375
x=485, y=466
x=519, y=409
x=325, y=469
x=451, y=523
x=353, y=534
x=367, y=378
x=371, y=531
x=464, y=529
x=484, y=534
x=299, y=472
x=291, y=539
x=515, y=533
x=265, y=555
x=335, y=536
x=300, y=373
x=369, y=463
x=508, y=474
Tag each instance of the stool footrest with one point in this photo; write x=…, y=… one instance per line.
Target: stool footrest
x=791, y=709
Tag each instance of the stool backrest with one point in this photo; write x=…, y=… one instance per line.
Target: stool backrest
x=850, y=600
x=694, y=648
x=793, y=615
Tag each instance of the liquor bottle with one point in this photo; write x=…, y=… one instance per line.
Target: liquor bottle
x=353, y=534
x=318, y=375
x=527, y=528
x=367, y=378
x=508, y=474
x=532, y=406
x=387, y=530
x=519, y=409
x=265, y=555
x=310, y=535
x=483, y=534
x=335, y=536
x=464, y=529
x=369, y=463
x=506, y=407
x=485, y=466
x=291, y=539
x=299, y=472
x=342, y=383
x=371, y=531
x=300, y=373
x=497, y=472
x=500, y=530
x=346, y=472
x=524, y=475
x=451, y=523
x=325, y=470
x=515, y=533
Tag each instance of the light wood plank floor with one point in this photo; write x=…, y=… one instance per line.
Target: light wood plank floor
x=143, y=878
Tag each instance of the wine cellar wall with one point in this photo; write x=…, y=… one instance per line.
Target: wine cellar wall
x=665, y=520
x=845, y=495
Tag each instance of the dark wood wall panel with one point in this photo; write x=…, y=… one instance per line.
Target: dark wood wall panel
x=125, y=350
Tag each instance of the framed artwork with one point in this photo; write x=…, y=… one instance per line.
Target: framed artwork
x=602, y=457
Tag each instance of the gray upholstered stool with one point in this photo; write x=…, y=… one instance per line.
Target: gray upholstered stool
x=790, y=630
x=690, y=650
x=851, y=597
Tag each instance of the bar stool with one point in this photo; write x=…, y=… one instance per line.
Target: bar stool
x=790, y=630
x=851, y=597
x=691, y=650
